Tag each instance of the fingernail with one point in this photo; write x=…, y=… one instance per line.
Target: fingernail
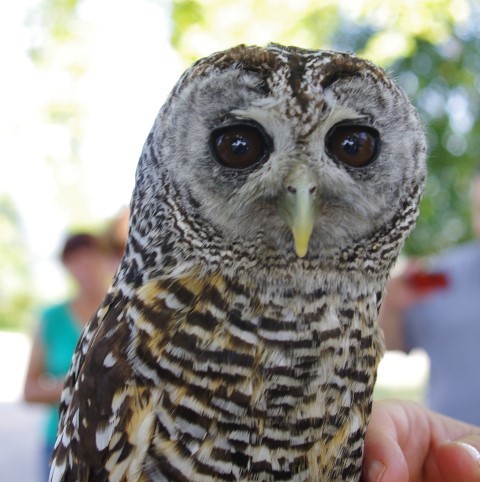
x=375, y=471
x=470, y=449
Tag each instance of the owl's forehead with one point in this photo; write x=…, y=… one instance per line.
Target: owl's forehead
x=297, y=77
x=300, y=81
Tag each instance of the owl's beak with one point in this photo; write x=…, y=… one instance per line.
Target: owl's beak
x=297, y=207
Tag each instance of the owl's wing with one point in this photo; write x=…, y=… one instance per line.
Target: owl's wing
x=86, y=403
x=112, y=391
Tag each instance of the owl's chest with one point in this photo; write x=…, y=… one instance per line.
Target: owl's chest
x=269, y=386
x=269, y=355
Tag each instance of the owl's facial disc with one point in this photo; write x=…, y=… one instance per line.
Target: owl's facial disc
x=296, y=205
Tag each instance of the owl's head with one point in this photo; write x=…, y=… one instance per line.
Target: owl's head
x=302, y=150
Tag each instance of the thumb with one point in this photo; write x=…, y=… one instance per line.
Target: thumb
x=460, y=460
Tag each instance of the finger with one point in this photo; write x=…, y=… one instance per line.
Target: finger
x=406, y=442
x=459, y=461
x=384, y=461
x=383, y=458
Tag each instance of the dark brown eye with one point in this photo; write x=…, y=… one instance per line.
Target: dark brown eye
x=354, y=145
x=239, y=146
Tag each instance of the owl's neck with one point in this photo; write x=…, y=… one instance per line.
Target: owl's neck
x=168, y=239
x=347, y=271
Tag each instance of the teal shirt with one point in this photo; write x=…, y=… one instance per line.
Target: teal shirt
x=59, y=332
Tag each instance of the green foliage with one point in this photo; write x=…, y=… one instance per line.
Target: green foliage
x=400, y=24
x=201, y=27
x=16, y=299
x=184, y=13
x=57, y=18
x=443, y=83
x=57, y=35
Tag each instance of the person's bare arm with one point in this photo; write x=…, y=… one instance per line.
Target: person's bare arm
x=39, y=386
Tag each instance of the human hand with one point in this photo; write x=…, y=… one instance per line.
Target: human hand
x=405, y=442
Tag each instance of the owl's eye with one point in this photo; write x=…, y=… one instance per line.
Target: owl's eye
x=240, y=146
x=354, y=145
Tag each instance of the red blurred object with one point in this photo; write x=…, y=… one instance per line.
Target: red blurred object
x=427, y=282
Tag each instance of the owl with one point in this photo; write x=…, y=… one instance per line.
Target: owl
x=238, y=340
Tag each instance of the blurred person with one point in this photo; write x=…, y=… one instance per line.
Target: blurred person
x=436, y=307
x=89, y=262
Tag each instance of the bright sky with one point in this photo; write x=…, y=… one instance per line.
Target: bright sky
x=132, y=69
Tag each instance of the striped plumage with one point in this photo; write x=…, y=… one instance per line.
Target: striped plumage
x=227, y=348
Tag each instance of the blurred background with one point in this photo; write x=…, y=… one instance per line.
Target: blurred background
x=82, y=82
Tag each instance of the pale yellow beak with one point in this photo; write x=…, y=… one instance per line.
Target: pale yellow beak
x=297, y=207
